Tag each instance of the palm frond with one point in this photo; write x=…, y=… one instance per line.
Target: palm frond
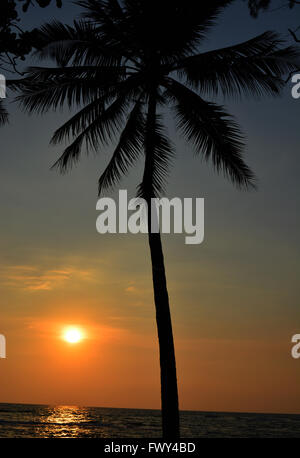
x=153, y=183
x=46, y=88
x=130, y=88
x=80, y=45
x=213, y=133
x=79, y=122
x=112, y=25
x=127, y=151
x=159, y=25
x=252, y=68
x=99, y=132
x=143, y=24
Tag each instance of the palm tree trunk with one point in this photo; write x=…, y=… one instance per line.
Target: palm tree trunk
x=169, y=391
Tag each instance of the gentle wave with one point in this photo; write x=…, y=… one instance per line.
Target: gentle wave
x=41, y=423
x=31, y=421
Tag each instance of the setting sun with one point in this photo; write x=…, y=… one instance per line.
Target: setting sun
x=73, y=335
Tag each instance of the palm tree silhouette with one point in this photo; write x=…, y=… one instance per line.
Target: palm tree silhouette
x=121, y=65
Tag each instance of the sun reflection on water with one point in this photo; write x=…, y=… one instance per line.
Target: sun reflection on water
x=63, y=421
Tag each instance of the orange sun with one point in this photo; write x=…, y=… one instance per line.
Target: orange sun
x=73, y=335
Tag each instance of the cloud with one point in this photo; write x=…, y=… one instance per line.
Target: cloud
x=131, y=289
x=34, y=278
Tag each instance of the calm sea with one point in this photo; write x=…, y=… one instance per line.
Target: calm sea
x=27, y=421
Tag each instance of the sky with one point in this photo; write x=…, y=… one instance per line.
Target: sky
x=234, y=298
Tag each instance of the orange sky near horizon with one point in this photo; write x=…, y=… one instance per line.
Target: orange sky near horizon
x=116, y=364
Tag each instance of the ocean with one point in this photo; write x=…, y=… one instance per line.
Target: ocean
x=39, y=421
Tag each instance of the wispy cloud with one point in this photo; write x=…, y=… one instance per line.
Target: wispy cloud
x=33, y=278
x=131, y=289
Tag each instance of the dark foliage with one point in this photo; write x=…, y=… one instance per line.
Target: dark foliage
x=256, y=6
x=15, y=43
